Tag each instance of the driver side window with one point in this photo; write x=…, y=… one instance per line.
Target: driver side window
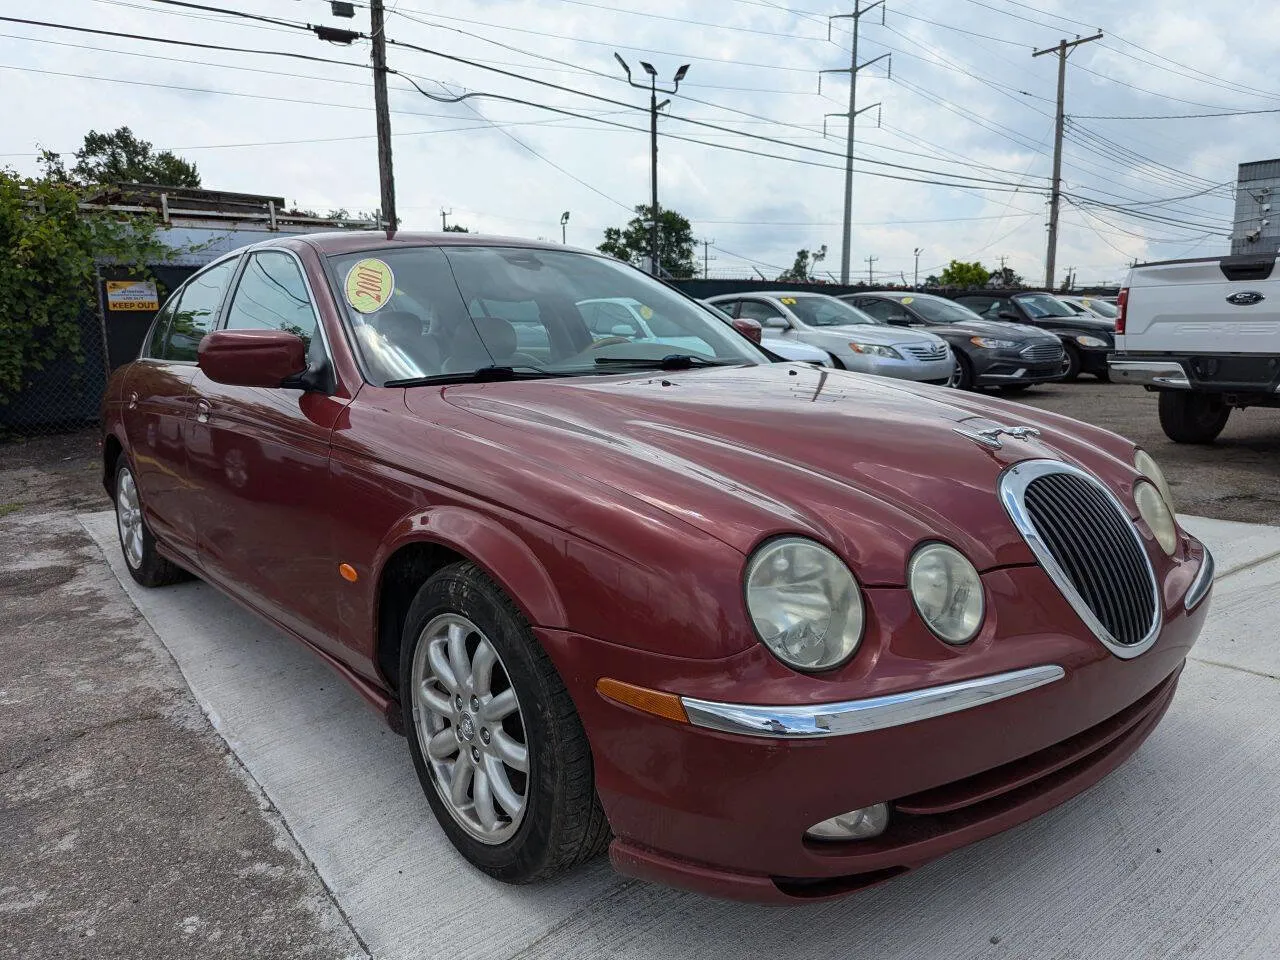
x=760, y=311
x=886, y=311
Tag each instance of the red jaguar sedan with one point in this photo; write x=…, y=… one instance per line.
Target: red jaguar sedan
x=764, y=630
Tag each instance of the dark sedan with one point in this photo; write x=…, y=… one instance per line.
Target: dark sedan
x=1087, y=340
x=988, y=354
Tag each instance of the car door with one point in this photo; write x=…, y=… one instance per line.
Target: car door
x=263, y=465
x=158, y=406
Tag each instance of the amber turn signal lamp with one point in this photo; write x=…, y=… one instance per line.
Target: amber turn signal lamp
x=665, y=705
x=348, y=572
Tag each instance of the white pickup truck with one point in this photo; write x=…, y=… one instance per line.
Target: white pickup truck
x=1206, y=334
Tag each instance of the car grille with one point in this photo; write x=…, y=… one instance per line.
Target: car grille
x=1090, y=548
x=926, y=351
x=1041, y=352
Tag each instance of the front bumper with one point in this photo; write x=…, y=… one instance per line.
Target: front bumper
x=920, y=371
x=999, y=370
x=726, y=812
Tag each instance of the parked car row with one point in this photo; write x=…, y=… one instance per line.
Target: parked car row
x=971, y=341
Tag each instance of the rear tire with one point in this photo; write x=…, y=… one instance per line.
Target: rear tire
x=143, y=561
x=1192, y=417
x=523, y=806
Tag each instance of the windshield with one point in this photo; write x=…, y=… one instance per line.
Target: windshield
x=424, y=312
x=937, y=310
x=1102, y=308
x=1042, y=305
x=817, y=310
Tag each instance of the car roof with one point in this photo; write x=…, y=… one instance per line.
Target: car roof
x=356, y=241
x=893, y=294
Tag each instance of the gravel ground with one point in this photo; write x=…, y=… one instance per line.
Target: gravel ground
x=1236, y=478
x=127, y=828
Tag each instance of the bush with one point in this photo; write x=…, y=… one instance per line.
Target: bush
x=49, y=252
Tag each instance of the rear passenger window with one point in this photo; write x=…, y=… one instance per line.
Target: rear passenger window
x=272, y=295
x=196, y=312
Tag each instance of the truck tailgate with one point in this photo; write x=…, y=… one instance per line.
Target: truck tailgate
x=1217, y=305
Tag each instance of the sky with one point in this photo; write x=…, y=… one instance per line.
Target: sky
x=960, y=100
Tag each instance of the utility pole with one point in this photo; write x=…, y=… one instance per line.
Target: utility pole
x=706, y=259
x=852, y=71
x=444, y=219
x=654, y=107
x=871, y=277
x=386, y=178
x=916, y=285
x=1063, y=50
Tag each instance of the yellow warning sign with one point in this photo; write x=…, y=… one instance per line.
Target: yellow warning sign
x=369, y=284
x=132, y=295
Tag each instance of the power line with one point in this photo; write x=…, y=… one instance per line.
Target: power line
x=1174, y=116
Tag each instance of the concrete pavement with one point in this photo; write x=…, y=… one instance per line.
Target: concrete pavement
x=1177, y=853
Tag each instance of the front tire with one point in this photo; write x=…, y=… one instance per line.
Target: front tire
x=498, y=746
x=1070, y=364
x=962, y=374
x=143, y=561
x=1192, y=417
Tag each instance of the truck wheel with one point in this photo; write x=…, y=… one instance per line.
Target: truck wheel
x=1192, y=417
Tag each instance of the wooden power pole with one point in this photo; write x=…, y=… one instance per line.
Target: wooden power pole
x=386, y=179
x=1063, y=50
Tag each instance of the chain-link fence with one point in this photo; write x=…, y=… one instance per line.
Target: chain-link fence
x=67, y=393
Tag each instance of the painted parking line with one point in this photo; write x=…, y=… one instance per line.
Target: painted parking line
x=1178, y=852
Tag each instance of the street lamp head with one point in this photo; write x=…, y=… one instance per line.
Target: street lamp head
x=564, y=217
x=648, y=68
x=625, y=68
x=681, y=73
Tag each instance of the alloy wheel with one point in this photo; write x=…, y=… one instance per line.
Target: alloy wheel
x=469, y=725
x=129, y=519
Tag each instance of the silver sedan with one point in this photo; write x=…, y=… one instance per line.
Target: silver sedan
x=855, y=340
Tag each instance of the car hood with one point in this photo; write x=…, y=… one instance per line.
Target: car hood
x=868, y=465
x=990, y=328
x=1084, y=322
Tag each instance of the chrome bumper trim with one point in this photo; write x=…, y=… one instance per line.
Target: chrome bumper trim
x=1200, y=586
x=863, y=716
x=1154, y=373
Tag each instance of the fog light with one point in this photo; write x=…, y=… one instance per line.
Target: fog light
x=861, y=824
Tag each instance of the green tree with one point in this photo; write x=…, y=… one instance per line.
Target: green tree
x=676, y=246
x=49, y=250
x=967, y=275
x=120, y=157
x=932, y=280
x=456, y=228
x=802, y=270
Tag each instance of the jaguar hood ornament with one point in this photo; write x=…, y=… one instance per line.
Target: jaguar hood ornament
x=990, y=437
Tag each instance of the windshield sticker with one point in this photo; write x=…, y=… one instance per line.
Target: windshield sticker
x=369, y=285
x=789, y=301
x=646, y=312
x=907, y=299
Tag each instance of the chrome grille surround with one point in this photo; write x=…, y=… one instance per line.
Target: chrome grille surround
x=1041, y=352
x=926, y=351
x=1013, y=486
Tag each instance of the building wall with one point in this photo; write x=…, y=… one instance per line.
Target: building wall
x=1257, y=190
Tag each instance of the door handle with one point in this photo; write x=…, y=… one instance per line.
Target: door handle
x=203, y=409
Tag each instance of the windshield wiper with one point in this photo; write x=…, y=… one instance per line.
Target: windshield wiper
x=672, y=361
x=491, y=374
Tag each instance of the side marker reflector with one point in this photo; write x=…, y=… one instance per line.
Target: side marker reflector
x=665, y=705
x=348, y=572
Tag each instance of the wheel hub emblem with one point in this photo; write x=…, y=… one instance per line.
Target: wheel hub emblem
x=467, y=726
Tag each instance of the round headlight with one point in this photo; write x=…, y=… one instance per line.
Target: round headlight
x=1146, y=465
x=1153, y=509
x=805, y=604
x=947, y=592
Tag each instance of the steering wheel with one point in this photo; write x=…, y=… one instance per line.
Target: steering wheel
x=608, y=342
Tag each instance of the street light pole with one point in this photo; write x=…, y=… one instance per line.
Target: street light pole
x=916, y=285
x=564, y=220
x=654, y=107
